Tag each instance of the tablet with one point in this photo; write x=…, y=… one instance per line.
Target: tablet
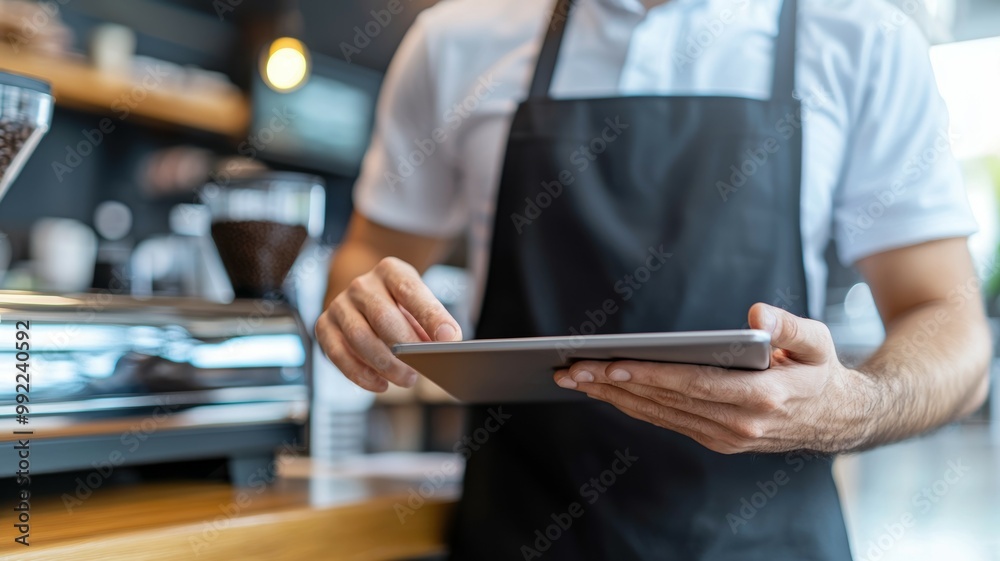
x=520, y=370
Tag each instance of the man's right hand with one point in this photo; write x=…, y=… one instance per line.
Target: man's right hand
x=389, y=304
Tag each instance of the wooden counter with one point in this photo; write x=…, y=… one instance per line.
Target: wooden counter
x=306, y=514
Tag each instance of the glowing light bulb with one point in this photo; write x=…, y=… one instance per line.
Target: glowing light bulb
x=287, y=64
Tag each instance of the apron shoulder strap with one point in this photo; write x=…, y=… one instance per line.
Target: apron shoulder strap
x=783, y=85
x=784, y=52
x=546, y=66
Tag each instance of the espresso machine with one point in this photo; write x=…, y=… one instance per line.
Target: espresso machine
x=112, y=380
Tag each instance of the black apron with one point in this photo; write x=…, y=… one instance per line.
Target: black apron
x=642, y=214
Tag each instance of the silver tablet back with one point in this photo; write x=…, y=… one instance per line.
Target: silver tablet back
x=520, y=370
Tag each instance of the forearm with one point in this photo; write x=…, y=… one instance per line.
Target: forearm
x=367, y=243
x=932, y=369
x=350, y=261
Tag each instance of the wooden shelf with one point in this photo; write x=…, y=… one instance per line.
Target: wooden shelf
x=78, y=85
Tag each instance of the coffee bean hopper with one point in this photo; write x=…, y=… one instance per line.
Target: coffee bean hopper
x=115, y=385
x=25, y=115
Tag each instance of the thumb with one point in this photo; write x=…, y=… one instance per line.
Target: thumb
x=804, y=340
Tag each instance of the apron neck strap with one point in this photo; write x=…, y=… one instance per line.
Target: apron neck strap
x=784, y=59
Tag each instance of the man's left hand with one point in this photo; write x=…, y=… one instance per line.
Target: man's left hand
x=806, y=400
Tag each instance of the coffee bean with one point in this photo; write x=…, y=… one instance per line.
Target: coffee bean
x=13, y=135
x=257, y=254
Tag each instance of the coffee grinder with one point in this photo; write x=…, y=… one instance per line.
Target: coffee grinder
x=260, y=223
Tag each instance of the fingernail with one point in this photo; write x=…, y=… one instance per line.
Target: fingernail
x=584, y=377
x=567, y=383
x=770, y=320
x=620, y=376
x=444, y=332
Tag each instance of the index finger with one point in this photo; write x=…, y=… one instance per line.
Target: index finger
x=409, y=291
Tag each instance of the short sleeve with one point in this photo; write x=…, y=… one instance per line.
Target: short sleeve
x=901, y=184
x=408, y=181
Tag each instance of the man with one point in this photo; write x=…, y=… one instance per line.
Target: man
x=724, y=142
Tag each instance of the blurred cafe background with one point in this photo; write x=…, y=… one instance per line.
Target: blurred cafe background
x=168, y=238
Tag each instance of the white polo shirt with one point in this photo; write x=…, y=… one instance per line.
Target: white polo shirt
x=878, y=172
